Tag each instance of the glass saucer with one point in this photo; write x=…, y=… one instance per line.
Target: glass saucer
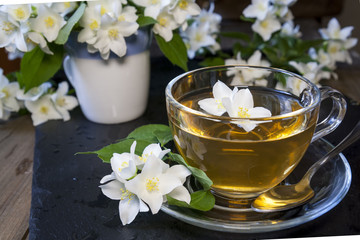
x=330, y=183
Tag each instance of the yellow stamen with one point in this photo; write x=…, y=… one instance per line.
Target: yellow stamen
x=61, y=102
x=44, y=110
x=102, y=10
x=6, y=92
x=183, y=4
x=219, y=104
x=94, y=25
x=123, y=165
x=264, y=24
x=153, y=2
x=121, y=18
x=243, y=112
x=20, y=13
x=67, y=4
x=198, y=37
x=152, y=184
x=162, y=21
x=8, y=27
x=113, y=33
x=126, y=194
x=333, y=49
x=49, y=22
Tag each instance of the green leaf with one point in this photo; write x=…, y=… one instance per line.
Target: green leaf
x=213, y=61
x=200, y=200
x=152, y=133
x=107, y=152
x=174, y=50
x=163, y=136
x=37, y=67
x=238, y=35
x=145, y=21
x=199, y=175
x=246, y=19
x=66, y=30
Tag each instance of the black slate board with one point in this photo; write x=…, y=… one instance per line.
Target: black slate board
x=67, y=203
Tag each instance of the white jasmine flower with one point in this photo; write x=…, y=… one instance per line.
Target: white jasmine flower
x=110, y=36
x=127, y=14
x=257, y=9
x=34, y=93
x=322, y=57
x=183, y=9
x=295, y=85
x=63, y=8
x=90, y=21
x=157, y=180
x=64, y=103
x=338, y=53
x=18, y=12
x=241, y=105
x=42, y=110
x=12, y=33
x=129, y=206
x=243, y=75
x=123, y=165
x=152, y=149
x=311, y=70
x=35, y=38
x=4, y=114
x=165, y=25
x=48, y=22
x=288, y=29
x=266, y=27
x=152, y=7
x=334, y=31
x=197, y=37
x=8, y=92
x=215, y=105
x=211, y=18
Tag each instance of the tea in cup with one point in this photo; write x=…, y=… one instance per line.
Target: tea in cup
x=247, y=149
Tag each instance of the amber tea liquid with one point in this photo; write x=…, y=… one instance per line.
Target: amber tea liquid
x=244, y=164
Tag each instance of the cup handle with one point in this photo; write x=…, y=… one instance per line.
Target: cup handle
x=68, y=70
x=336, y=115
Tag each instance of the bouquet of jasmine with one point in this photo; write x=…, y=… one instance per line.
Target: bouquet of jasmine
x=145, y=174
x=37, y=33
x=276, y=42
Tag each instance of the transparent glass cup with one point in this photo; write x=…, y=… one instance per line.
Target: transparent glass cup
x=245, y=163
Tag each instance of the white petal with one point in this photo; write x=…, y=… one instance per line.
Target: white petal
x=153, y=166
x=211, y=106
x=143, y=206
x=259, y=112
x=181, y=193
x=153, y=148
x=228, y=105
x=113, y=190
x=167, y=183
x=128, y=209
x=243, y=98
x=108, y=178
x=345, y=32
x=247, y=125
x=221, y=90
x=179, y=171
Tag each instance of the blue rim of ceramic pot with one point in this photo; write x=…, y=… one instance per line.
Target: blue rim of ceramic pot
x=136, y=43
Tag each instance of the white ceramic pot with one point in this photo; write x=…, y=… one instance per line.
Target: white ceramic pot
x=115, y=90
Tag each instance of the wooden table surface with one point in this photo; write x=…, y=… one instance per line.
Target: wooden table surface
x=17, y=138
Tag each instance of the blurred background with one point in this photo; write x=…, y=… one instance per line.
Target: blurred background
x=309, y=14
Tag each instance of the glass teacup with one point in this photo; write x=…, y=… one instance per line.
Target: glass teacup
x=243, y=155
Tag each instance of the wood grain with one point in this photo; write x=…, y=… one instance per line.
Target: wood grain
x=16, y=160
